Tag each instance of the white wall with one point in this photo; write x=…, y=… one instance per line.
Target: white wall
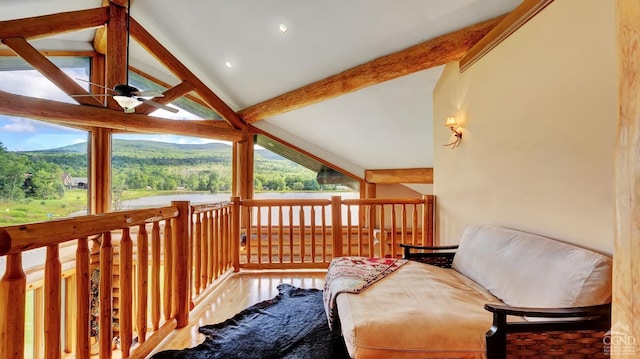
x=539, y=115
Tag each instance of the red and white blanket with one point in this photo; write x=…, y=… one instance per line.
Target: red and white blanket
x=353, y=275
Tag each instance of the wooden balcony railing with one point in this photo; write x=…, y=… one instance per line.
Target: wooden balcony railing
x=154, y=265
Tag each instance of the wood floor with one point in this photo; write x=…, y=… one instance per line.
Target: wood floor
x=239, y=291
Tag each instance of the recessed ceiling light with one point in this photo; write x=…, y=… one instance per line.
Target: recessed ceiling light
x=228, y=64
x=283, y=28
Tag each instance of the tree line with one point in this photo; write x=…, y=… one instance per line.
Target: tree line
x=38, y=174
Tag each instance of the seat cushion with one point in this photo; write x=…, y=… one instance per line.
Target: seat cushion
x=419, y=311
x=528, y=270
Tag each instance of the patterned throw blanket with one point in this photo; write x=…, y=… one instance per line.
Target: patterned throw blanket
x=353, y=275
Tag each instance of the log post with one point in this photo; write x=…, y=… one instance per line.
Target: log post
x=106, y=297
x=336, y=224
x=126, y=292
x=181, y=263
x=235, y=232
x=83, y=299
x=626, y=249
x=13, y=287
x=168, y=311
x=142, y=282
x=428, y=220
x=53, y=303
x=155, y=276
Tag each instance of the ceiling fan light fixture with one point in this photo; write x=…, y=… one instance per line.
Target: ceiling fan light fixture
x=127, y=103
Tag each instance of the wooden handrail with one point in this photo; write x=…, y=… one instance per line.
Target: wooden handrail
x=23, y=237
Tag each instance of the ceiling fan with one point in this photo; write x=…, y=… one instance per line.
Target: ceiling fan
x=127, y=96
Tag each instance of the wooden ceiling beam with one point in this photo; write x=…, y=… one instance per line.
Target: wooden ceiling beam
x=404, y=175
x=144, y=38
x=116, y=57
x=171, y=94
x=431, y=53
x=49, y=70
x=40, y=26
x=70, y=114
x=512, y=22
x=100, y=38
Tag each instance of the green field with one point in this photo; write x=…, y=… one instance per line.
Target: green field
x=75, y=200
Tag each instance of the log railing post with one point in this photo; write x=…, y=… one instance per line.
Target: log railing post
x=336, y=224
x=12, y=309
x=126, y=292
x=155, y=276
x=106, y=297
x=182, y=263
x=428, y=220
x=142, y=282
x=83, y=299
x=53, y=303
x=235, y=232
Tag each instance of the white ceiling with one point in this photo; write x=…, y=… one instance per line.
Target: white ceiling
x=383, y=126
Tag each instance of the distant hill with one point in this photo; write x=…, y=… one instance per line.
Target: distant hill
x=128, y=153
x=156, y=149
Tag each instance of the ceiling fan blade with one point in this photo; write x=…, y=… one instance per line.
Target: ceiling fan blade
x=159, y=105
x=92, y=95
x=94, y=84
x=149, y=93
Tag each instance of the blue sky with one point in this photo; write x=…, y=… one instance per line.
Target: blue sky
x=23, y=134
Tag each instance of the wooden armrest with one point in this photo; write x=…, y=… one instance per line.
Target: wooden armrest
x=440, y=259
x=587, y=325
x=410, y=246
x=589, y=311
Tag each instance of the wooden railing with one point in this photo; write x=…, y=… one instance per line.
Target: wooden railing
x=308, y=233
x=159, y=263
x=212, y=249
x=139, y=306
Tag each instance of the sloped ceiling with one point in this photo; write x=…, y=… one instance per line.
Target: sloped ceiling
x=388, y=125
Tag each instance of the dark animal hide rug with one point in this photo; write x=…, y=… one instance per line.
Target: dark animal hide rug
x=291, y=325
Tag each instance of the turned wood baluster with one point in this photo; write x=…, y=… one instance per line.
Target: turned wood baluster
x=207, y=263
x=291, y=234
x=269, y=234
x=414, y=225
x=197, y=243
x=301, y=236
x=12, y=309
x=393, y=230
x=313, y=234
x=142, y=282
x=324, y=233
x=168, y=269
x=383, y=233
x=213, y=244
x=280, y=235
x=70, y=313
x=53, y=303
x=106, y=297
x=155, y=275
x=259, y=232
x=204, y=252
x=349, y=231
x=336, y=226
x=372, y=226
x=83, y=299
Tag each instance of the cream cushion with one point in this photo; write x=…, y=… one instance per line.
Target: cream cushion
x=528, y=270
x=418, y=311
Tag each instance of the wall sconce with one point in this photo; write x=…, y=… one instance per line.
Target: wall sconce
x=453, y=126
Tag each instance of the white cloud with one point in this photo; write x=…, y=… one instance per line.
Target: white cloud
x=19, y=125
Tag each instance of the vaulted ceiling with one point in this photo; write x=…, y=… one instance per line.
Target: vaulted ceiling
x=349, y=81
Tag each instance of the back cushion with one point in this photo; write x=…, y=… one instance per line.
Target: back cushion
x=527, y=270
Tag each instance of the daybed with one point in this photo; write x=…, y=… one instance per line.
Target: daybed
x=458, y=307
